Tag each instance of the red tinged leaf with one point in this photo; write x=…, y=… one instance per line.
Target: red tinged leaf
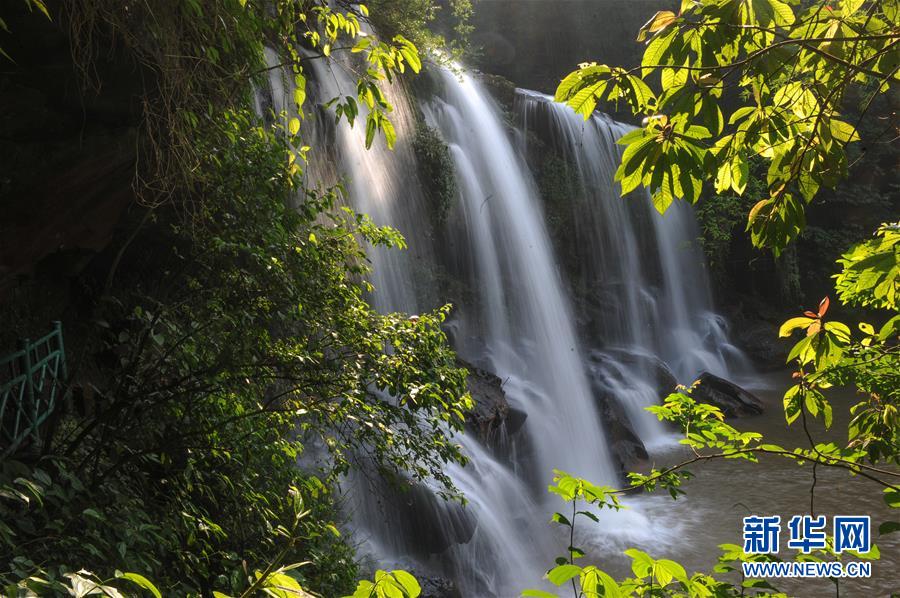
x=823, y=306
x=810, y=314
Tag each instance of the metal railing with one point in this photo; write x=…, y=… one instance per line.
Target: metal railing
x=30, y=382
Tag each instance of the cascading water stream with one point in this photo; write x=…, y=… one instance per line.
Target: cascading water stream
x=647, y=268
x=528, y=333
x=515, y=320
x=379, y=182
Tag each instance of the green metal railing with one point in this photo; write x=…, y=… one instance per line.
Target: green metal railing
x=30, y=382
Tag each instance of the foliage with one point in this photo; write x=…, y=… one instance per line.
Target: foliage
x=230, y=351
x=233, y=369
x=790, y=64
x=393, y=584
x=416, y=20
x=438, y=178
x=871, y=274
x=719, y=216
x=84, y=583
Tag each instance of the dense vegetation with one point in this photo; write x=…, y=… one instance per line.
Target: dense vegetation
x=228, y=339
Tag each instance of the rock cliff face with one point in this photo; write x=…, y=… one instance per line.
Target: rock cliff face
x=68, y=150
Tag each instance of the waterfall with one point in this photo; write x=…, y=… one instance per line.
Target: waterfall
x=522, y=317
x=643, y=271
x=528, y=335
x=379, y=182
x=648, y=267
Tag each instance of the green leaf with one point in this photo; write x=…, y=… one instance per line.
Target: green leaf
x=294, y=126
x=371, y=126
x=592, y=579
x=585, y=100
x=410, y=584
x=539, y=594
x=390, y=135
x=563, y=573
x=141, y=581
x=671, y=570
x=793, y=324
x=783, y=14
x=843, y=132
x=641, y=563
x=848, y=7
x=740, y=175
x=663, y=196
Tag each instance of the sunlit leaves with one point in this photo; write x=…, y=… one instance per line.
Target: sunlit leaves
x=871, y=271
x=591, y=83
x=563, y=573
x=663, y=157
x=570, y=488
x=795, y=122
x=409, y=53
x=383, y=62
x=140, y=581
x=388, y=584
x=596, y=583
x=657, y=23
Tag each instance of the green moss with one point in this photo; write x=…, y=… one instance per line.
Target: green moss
x=436, y=167
x=559, y=189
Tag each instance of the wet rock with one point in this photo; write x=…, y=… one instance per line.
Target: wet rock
x=760, y=342
x=658, y=372
x=437, y=587
x=626, y=446
x=491, y=406
x=501, y=89
x=433, y=524
x=733, y=400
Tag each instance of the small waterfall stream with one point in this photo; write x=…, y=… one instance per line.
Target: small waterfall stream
x=517, y=319
x=529, y=336
x=648, y=267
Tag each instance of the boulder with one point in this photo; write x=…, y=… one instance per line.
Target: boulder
x=437, y=587
x=760, y=342
x=662, y=377
x=433, y=524
x=627, y=448
x=733, y=400
x=491, y=408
